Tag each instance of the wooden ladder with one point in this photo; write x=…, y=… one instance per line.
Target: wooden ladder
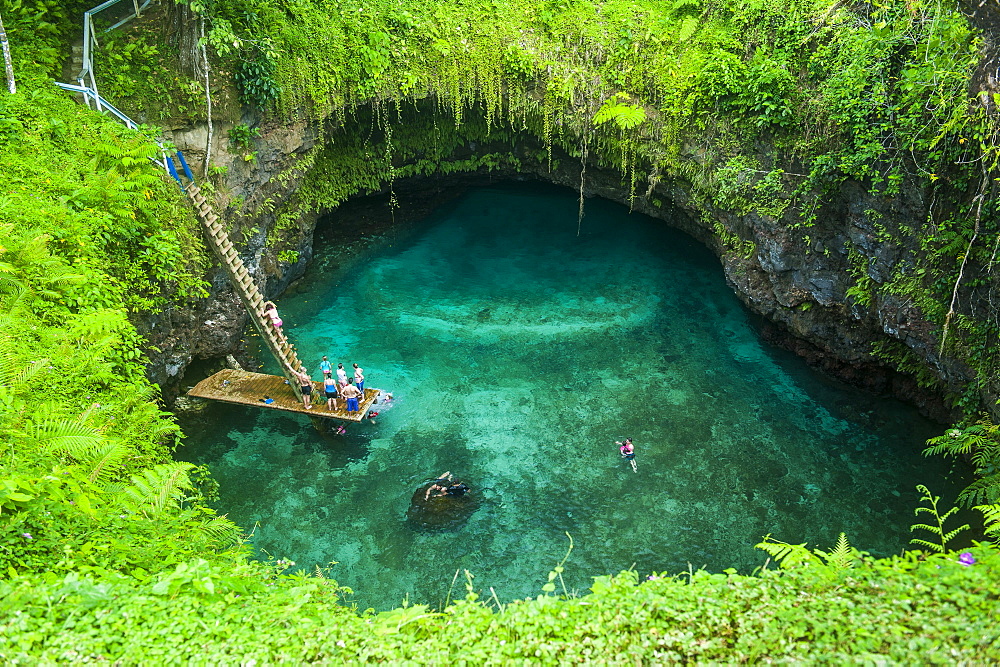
x=247, y=290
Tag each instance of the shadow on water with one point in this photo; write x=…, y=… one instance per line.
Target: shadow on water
x=518, y=353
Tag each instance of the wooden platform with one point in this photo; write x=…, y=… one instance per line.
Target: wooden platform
x=245, y=388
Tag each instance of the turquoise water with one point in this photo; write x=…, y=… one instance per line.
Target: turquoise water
x=518, y=352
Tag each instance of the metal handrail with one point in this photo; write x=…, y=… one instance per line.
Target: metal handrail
x=90, y=93
x=90, y=40
x=103, y=104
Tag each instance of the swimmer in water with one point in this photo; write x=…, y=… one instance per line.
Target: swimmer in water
x=438, y=486
x=628, y=452
x=457, y=490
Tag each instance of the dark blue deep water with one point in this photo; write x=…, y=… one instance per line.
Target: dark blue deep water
x=518, y=352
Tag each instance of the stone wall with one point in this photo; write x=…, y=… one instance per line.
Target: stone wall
x=799, y=289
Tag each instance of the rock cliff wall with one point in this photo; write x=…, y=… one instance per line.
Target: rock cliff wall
x=797, y=282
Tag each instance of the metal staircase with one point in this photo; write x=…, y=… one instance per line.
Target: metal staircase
x=245, y=287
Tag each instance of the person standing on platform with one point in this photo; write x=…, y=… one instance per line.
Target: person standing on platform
x=351, y=394
x=305, y=383
x=330, y=388
x=359, y=378
x=326, y=367
x=341, y=376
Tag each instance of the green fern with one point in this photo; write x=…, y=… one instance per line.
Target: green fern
x=105, y=461
x=625, y=116
x=842, y=556
x=66, y=436
x=221, y=532
x=991, y=517
x=156, y=489
x=984, y=491
x=18, y=379
x=940, y=519
x=981, y=441
x=959, y=442
x=787, y=556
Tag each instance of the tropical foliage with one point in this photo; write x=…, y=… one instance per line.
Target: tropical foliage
x=906, y=609
x=107, y=548
x=979, y=443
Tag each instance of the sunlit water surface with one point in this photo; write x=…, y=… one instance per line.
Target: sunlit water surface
x=518, y=352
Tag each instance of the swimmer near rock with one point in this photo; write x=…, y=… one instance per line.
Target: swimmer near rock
x=441, y=504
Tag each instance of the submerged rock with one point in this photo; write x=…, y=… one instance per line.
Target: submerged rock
x=441, y=512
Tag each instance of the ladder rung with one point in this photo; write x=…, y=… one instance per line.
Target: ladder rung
x=211, y=218
x=198, y=200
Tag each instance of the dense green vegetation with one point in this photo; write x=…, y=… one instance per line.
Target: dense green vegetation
x=905, y=610
x=754, y=109
x=107, y=548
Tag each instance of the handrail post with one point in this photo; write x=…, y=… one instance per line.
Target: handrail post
x=86, y=53
x=90, y=65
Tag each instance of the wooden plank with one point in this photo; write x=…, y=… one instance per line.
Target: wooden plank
x=246, y=388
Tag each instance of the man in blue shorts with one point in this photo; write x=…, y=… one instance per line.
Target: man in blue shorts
x=351, y=394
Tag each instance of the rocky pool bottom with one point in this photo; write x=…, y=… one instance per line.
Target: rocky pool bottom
x=518, y=351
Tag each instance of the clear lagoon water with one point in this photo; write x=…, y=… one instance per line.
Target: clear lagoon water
x=518, y=352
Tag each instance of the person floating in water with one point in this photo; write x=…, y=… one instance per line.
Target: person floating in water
x=458, y=489
x=305, y=384
x=351, y=394
x=628, y=452
x=439, y=486
x=444, y=486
